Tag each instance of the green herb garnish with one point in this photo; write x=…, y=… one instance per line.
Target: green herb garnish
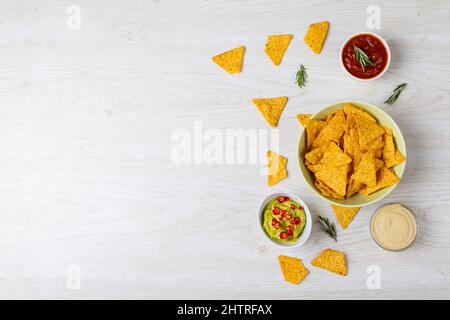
x=362, y=57
x=328, y=227
x=300, y=78
x=390, y=101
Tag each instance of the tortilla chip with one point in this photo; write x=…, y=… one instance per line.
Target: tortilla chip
x=333, y=130
x=391, y=155
x=353, y=187
x=230, y=61
x=326, y=191
x=276, y=46
x=367, y=130
x=313, y=128
x=315, y=155
x=334, y=156
x=277, y=168
x=366, y=171
x=316, y=35
x=344, y=215
x=293, y=269
x=350, y=109
x=331, y=260
x=385, y=177
x=271, y=108
x=303, y=118
x=335, y=178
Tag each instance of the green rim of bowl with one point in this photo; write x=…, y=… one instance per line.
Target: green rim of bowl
x=357, y=200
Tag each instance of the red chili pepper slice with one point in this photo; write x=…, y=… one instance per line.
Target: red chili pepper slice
x=276, y=211
x=290, y=232
x=288, y=216
x=293, y=206
x=283, y=235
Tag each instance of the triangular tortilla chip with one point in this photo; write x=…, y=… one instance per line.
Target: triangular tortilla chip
x=303, y=118
x=271, y=108
x=315, y=155
x=349, y=109
x=391, y=155
x=366, y=171
x=293, y=269
x=333, y=130
x=313, y=128
x=277, y=168
x=230, y=61
x=335, y=178
x=276, y=46
x=353, y=187
x=334, y=156
x=385, y=177
x=344, y=215
x=325, y=190
x=331, y=260
x=316, y=35
x=367, y=130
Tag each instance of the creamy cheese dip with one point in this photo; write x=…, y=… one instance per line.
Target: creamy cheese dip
x=393, y=227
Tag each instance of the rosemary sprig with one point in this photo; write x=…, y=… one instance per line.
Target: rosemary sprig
x=362, y=57
x=328, y=227
x=301, y=77
x=390, y=101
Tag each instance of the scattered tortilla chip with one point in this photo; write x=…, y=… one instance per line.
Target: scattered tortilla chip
x=230, y=61
x=313, y=128
x=303, y=118
x=391, y=155
x=293, y=269
x=385, y=177
x=335, y=178
x=334, y=156
x=316, y=35
x=333, y=130
x=331, y=260
x=276, y=46
x=277, y=168
x=344, y=215
x=271, y=108
x=367, y=130
x=350, y=109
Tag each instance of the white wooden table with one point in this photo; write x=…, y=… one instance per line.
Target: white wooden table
x=92, y=204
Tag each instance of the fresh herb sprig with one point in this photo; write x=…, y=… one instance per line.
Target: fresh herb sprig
x=328, y=227
x=362, y=57
x=390, y=101
x=301, y=77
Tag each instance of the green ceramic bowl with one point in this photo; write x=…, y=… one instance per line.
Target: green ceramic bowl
x=357, y=200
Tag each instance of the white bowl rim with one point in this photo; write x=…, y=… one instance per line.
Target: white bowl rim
x=308, y=226
x=330, y=200
x=382, y=41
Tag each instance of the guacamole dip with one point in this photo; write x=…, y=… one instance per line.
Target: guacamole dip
x=284, y=219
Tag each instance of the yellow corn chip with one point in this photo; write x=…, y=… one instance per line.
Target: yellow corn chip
x=230, y=61
x=316, y=154
x=293, y=269
x=367, y=130
x=349, y=109
x=316, y=35
x=276, y=46
x=313, y=128
x=331, y=260
x=335, y=178
x=391, y=155
x=385, y=178
x=277, y=168
x=366, y=171
x=334, y=156
x=271, y=108
x=326, y=191
x=303, y=118
x=344, y=215
x=333, y=130
x=353, y=187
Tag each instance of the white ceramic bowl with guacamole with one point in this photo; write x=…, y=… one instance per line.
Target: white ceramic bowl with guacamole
x=285, y=219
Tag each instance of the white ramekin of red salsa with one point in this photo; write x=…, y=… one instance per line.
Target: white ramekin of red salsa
x=376, y=49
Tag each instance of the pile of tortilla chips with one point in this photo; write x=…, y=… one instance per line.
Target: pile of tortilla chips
x=350, y=153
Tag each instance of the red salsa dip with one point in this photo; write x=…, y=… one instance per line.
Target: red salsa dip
x=373, y=47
